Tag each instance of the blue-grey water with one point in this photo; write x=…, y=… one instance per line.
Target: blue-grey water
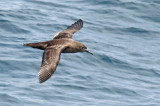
x=124, y=36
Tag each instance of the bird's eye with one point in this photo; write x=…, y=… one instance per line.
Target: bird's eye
x=83, y=47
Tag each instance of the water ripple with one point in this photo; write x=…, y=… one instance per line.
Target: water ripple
x=122, y=34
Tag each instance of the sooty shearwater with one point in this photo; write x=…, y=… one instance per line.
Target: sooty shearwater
x=61, y=43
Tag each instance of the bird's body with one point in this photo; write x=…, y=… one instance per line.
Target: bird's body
x=61, y=43
x=71, y=45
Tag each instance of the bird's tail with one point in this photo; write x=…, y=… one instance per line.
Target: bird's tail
x=39, y=45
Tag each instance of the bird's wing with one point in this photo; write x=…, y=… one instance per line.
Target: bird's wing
x=50, y=60
x=67, y=33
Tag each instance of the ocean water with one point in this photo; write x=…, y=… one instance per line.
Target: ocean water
x=124, y=36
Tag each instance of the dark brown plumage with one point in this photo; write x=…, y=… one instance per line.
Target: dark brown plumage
x=67, y=33
x=61, y=43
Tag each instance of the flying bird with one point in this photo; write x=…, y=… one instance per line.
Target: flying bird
x=61, y=43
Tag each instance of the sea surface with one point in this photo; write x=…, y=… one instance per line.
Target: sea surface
x=124, y=36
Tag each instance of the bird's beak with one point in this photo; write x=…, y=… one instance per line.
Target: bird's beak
x=89, y=52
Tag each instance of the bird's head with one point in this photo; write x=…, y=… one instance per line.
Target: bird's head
x=83, y=48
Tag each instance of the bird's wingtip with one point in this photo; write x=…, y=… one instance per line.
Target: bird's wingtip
x=40, y=82
x=80, y=20
x=24, y=44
